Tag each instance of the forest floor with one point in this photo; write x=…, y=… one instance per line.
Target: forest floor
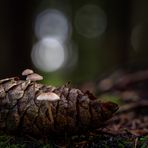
x=127, y=129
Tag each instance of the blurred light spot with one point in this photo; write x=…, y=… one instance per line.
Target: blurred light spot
x=48, y=54
x=105, y=84
x=90, y=21
x=72, y=55
x=136, y=36
x=53, y=23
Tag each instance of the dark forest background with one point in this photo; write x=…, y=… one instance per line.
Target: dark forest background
x=122, y=45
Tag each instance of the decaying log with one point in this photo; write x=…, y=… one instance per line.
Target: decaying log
x=33, y=108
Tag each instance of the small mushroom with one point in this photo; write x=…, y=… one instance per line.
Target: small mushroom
x=27, y=72
x=50, y=96
x=34, y=77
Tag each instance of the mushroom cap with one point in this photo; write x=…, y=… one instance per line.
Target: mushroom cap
x=34, y=77
x=49, y=96
x=27, y=72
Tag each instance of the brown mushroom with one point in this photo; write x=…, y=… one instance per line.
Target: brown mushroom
x=34, y=77
x=49, y=96
x=27, y=72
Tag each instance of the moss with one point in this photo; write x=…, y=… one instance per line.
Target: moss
x=84, y=141
x=8, y=142
x=143, y=142
x=112, y=98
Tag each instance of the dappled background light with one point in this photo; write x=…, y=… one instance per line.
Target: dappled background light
x=72, y=40
x=52, y=22
x=90, y=21
x=71, y=56
x=48, y=54
x=54, y=50
x=136, y=36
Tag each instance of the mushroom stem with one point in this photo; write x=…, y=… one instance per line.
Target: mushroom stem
x=50, y=112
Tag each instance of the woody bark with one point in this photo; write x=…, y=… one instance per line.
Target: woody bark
x=75, y=111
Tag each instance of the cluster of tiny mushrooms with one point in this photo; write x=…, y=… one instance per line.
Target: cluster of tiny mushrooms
x=33, y=77
x=48, y=96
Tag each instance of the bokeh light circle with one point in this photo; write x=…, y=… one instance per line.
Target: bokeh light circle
x=139, y=37
x=71, y=55
x=52, y=22
x=136, y=36
x=90, y=21
x=48, y=54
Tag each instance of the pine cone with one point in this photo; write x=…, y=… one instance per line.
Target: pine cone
x=24, y=108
